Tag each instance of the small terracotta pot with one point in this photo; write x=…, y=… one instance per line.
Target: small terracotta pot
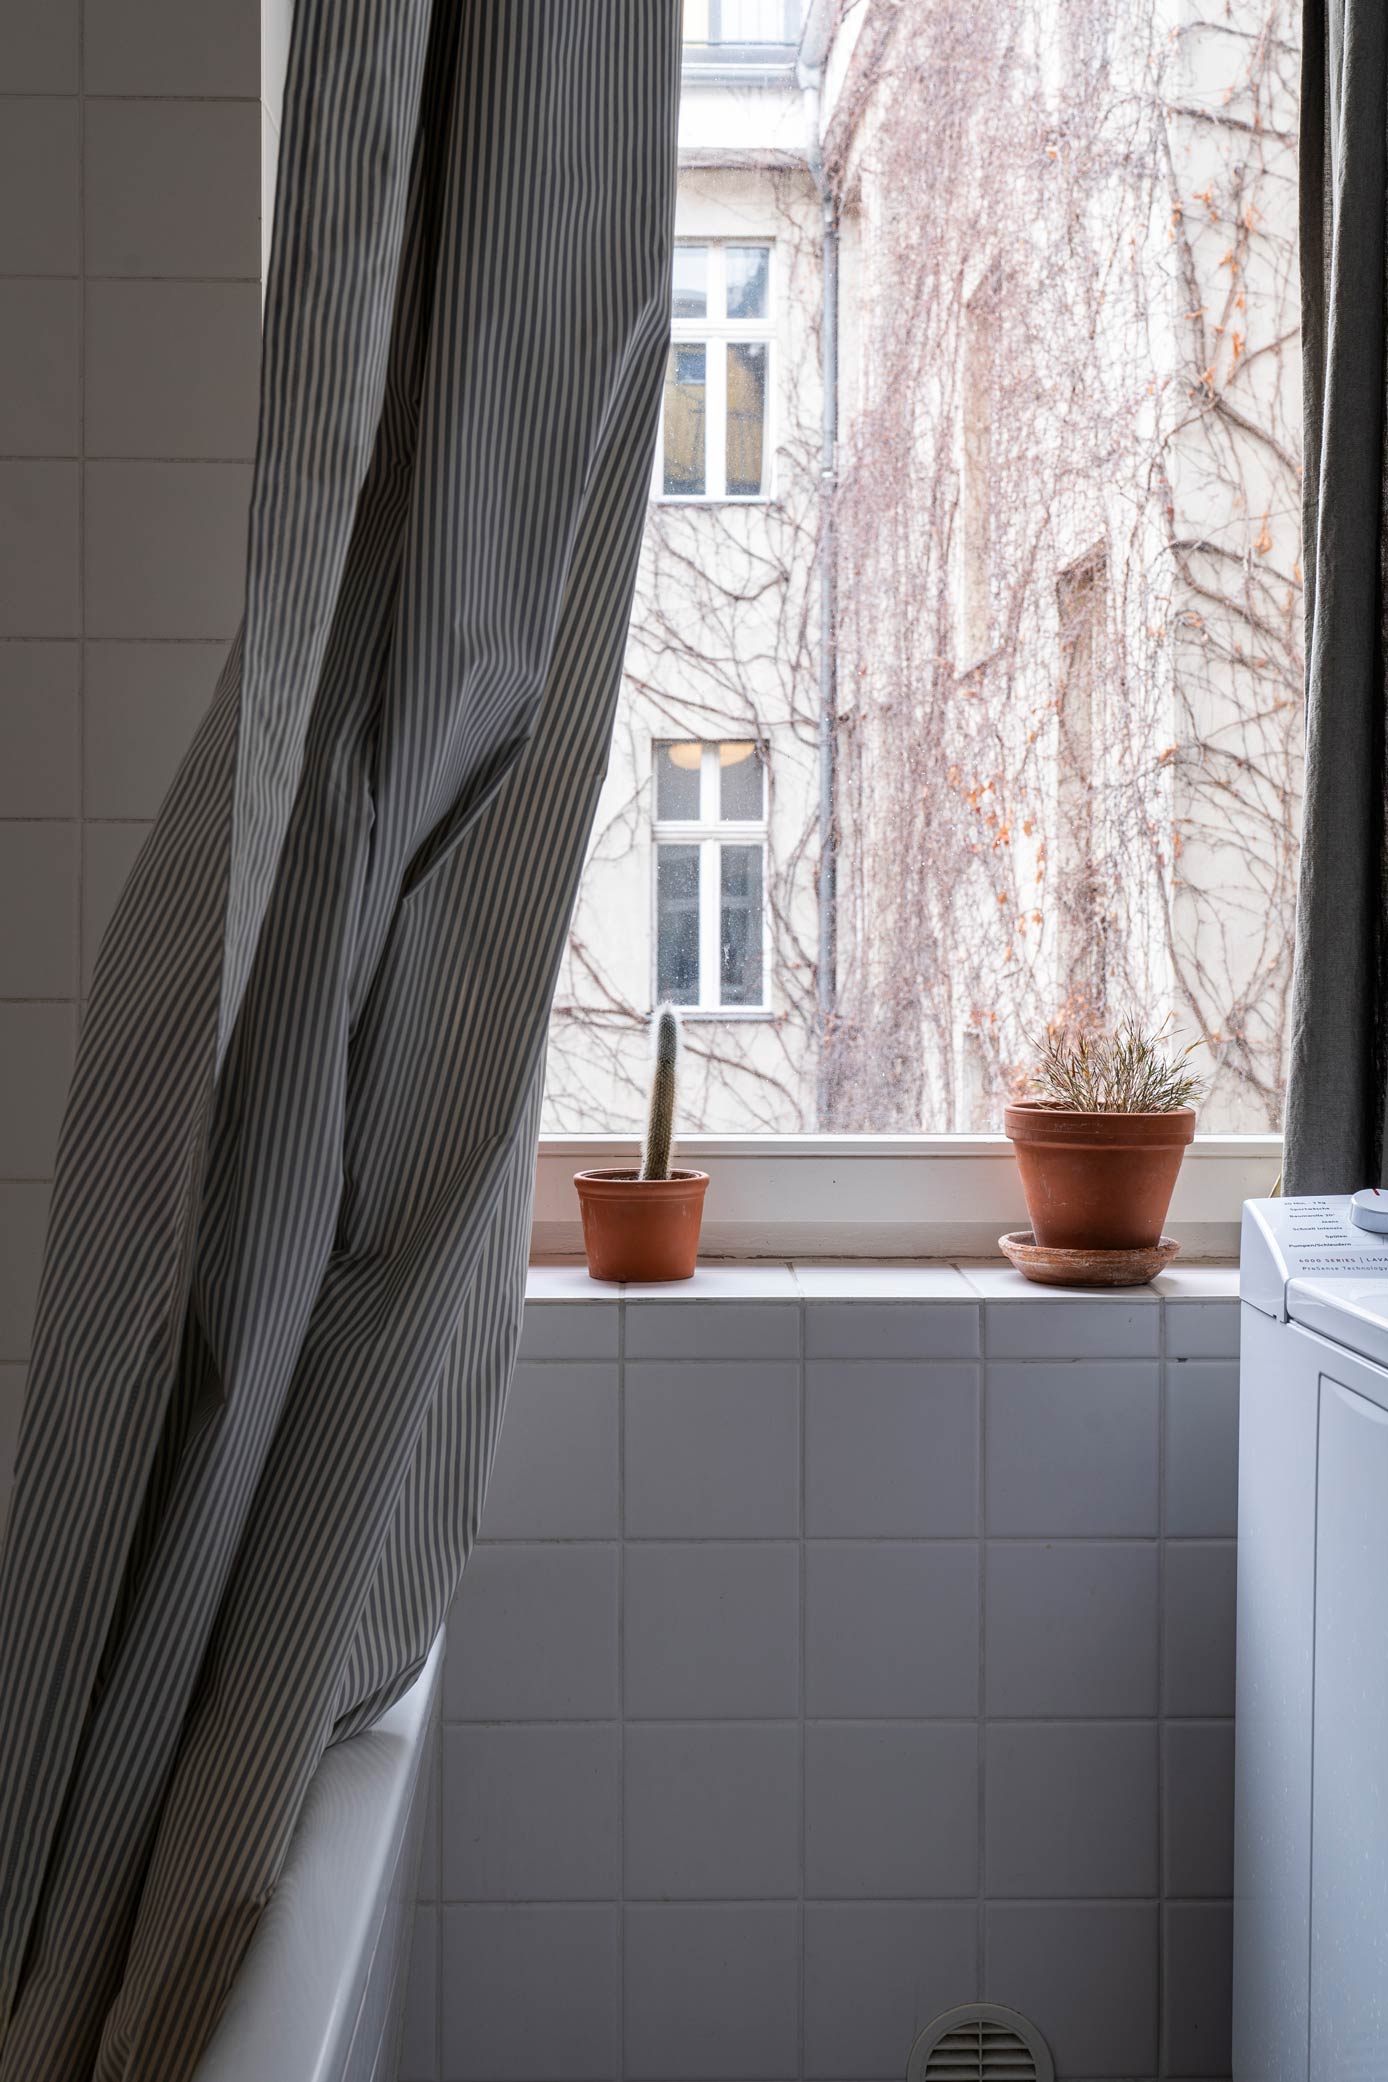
x=641, y=1229
x=1098, y=1181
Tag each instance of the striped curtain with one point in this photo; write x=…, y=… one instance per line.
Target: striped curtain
x=283, y=1276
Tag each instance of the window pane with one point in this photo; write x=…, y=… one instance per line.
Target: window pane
x=752, y=21
x=740, y=783
x=746, y=416
x=690, y=298
x=739, y=926
x=677, y=924
x=684, y=421
x=749, y=274
x=677, y=782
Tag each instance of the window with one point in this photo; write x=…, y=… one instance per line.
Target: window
x=1033, y=414
x=710, y=875
x=715, y=433
x=742, y=32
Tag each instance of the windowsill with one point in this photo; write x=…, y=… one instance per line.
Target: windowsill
x=567, y=1280
x=924, y=1199
x=739, y=1015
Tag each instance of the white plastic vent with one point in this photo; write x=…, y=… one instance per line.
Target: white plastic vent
x=980, y=2042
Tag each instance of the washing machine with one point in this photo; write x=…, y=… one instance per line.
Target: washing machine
x=1311, y=1736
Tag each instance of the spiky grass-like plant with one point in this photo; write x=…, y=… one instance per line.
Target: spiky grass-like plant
x=1130, y=1070
x=660, y=1119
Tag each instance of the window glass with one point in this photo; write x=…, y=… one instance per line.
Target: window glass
x=690, y=298
x=684, y=420
x=739, y=783
x=1061, y=540
x=677, y=924
x=677, y=782
x=748, y=274
x=739, y=960
x=746, y=417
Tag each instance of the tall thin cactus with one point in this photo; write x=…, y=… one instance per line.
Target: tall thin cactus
x=660, y=1121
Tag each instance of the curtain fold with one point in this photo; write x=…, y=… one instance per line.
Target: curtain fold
x=283, y=1278
x=1339, y=1055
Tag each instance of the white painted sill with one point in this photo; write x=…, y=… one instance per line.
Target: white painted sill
x=883, y=1197
x=565, y=1280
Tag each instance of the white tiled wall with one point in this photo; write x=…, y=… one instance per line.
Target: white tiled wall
x=137, y=145
x=842, y=1644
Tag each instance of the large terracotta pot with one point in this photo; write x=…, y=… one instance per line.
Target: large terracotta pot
x=641, y=1229
x=1098, y=1181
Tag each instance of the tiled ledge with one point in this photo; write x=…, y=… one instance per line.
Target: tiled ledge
x=827, y=1280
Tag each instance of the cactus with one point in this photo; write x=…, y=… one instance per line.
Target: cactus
x=660, y=1121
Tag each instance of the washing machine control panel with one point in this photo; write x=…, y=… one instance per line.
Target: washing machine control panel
x=1319, y=1237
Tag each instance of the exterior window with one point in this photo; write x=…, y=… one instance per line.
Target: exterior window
x=715, y=432
x=731, y=24
x=710, y=875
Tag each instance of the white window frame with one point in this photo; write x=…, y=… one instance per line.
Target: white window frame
x=710, y=833
x=715, y=334
x=881, y=1197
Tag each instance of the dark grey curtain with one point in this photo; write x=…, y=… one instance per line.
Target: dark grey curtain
x=283, y=1275
x=1339, y=1063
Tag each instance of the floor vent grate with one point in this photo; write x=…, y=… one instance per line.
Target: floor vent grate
x=980, y=2042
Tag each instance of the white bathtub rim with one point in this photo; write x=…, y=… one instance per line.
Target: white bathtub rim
x=292, y=2015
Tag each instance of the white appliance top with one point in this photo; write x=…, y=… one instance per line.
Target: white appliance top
x=1307, y=1261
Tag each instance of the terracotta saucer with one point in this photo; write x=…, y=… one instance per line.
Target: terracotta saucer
x=1054, y=1268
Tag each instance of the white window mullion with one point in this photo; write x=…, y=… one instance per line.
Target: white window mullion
x=716, y=418
x=710, y=891
x=709, y=770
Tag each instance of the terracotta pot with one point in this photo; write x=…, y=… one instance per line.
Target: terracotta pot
x=1098, y=1181
x=641, y=1229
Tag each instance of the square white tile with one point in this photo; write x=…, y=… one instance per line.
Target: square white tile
x=38, y=549
x=172, y=369
x=38, y=368
x=712, y=1449
x=529, y=1992
x=1071, y=1809
x=37, y=1045
x=1072, y=1448
x=165, y=548
x=38, y=719
x=891, y=1810
x=38, y=920
x=38, y=182
x=712, y=1811
x=891, y=1448
x=891, y=1629
x=712, y=1993
x=711, y=1628
x=143, y=704
x=1072, y=1628
x=173, y=189
x=555, y=1472
x=531, y=1813
x=533, y=1635
x=202, y=48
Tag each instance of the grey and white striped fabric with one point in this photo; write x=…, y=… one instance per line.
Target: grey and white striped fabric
x=284, y=1268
